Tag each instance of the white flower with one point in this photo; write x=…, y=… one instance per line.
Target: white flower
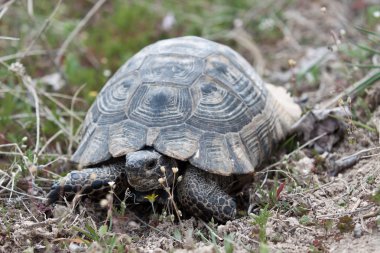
x=17, y=68
x=103, y=203
x=266, y=24
x=168, y=22
x=106, y=73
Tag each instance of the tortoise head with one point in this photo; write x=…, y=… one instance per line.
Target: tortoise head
x=144, y=168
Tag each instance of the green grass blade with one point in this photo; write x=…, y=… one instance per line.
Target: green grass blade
x=368, y=49
x=363, y=30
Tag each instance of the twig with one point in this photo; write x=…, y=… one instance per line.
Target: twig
x=371, y=214
x=18, y=149
x=345, y=213
x=43, y=28
x=30, y=8
x=62, y=106
x=369, y=156
x=32, y=226
x=77, y=29
x=49, y=141
x=292, y=153
x=42, y=115
x=21, y=193
x=8, y=38
x=31, y=214
x=28, y=83
x=19, y=70
x=4, y=7
x=313, y=189
x=156, y=229
x=71, y=137
x=23, y=54
x=22, y=155
x=336, y=166
x=56, y=121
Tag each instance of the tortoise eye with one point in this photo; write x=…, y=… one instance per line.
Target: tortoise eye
x=151, y=164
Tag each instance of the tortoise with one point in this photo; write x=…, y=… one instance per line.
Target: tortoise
x=185, y=107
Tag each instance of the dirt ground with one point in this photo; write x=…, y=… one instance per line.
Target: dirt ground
x=315, y=212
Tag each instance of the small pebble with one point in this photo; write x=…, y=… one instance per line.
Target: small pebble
x=358, y=230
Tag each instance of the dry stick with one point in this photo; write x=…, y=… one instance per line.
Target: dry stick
x=156, y=229
x=31, y=214
x=361, y=152
x=8, y=38
x=171, y=195
x=13, y=181
x=27, y=82
x=62, y=106
x=50, y=95
x=71, y=137
x=53, y=119
x=22, y=155
x=42, y=35
x=371, y=214
x=77, y=29
x=63, y=96
x=42, y=115
x=4, y=7
x=349, y=161
x=292, y=153
x=345, y=213
x=30, y=8
x=12, y=178
x=320, y=187
x=23, y=54
x=51, y=139
x=369, y=156
x=10, y=153
x=267, y=169
x=21, y=193
x=15, y=145
x=48, y=114
x=43, y=28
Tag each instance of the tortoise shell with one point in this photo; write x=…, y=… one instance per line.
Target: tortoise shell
x=189, y=98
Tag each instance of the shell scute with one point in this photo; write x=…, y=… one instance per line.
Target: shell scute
x=189, y=98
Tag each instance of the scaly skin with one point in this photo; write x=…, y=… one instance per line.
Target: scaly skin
x=200, y=193
x=91, y=181
x=204, y=195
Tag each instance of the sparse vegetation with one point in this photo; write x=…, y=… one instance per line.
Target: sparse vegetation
x=301, y=45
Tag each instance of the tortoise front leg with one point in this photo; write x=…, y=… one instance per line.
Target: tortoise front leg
x=204, y=195
x=93, y=182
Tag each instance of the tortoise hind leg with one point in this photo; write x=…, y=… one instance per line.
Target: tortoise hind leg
x=93, y=182
x=204, y=195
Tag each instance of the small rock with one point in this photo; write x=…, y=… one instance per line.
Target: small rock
x=61, y=211
x=358, y=230
x=293, y=221
x=305, y=165
x=222, y=229
x=74, y=247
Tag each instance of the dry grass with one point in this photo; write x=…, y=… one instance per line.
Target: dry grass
x=308, y=47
